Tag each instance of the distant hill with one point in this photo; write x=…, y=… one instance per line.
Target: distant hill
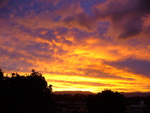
x=73, y=92
x=130, y=94
x=136, y=94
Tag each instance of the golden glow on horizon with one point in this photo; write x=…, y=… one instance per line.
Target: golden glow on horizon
x=74, y=50
x=64, y=82
x=97, y=84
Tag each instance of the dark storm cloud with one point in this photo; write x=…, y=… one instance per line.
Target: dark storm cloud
x=144, y=6
x=126, y=15
x=3, y=3
x=134, y=66
x=81, y=21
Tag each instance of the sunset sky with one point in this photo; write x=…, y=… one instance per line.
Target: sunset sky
x=86, y=45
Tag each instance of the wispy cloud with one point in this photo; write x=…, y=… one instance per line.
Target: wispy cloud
x=78, y=45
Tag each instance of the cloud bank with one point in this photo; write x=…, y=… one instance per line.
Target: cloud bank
x=78, y=45
x=126, y=16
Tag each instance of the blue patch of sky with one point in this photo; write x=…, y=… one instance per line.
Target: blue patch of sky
x=79, y=34
x=24, y=7
x=134, y=42
x=15, y=66
x=61, y=4
x=102, y=28
x=25, y=29
x=5, y=35
x=37, y=46
x=62, y=30
x=57, y=18
x=4, y=12
x=48, y=36
x=37, y=32
x=87, y=5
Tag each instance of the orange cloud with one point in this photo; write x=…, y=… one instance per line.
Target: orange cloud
x=72, y=48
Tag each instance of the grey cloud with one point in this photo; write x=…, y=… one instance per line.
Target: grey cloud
x=134, y=66
x=81, y=21
x=125, y=15
x=3, y=3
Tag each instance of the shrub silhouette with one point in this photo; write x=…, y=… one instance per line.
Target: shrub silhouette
x=25, y=94
x=1, y=73
x=106, y=102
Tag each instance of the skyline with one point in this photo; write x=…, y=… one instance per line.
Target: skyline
x=87, y=45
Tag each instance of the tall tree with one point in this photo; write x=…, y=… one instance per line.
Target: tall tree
x=106, y=102
x=26, y=94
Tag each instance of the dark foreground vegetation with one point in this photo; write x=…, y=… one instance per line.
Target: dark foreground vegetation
x=25, y=94
x=31, y=94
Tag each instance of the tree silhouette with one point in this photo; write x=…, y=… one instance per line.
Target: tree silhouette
x=106, y=102
x=1, y=73
x=25, y=94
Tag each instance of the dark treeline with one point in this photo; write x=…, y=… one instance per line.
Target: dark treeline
x=106, y=102
x=25, y=94
x=31, y=94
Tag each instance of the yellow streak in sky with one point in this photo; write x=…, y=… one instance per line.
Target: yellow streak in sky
x=116, y=83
